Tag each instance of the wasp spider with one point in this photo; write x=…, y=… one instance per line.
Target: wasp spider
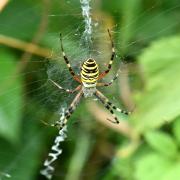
x=88, y=79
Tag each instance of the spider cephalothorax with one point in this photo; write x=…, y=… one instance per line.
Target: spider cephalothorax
x=88, y=79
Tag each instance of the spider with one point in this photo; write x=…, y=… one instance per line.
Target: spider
x=88, y=79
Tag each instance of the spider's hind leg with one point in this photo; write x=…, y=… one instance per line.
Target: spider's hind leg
x=112, y=58
x=77, y=78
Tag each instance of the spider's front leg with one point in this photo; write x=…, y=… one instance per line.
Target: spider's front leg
x=67, y=114
x=108, y=105
x=63, y=120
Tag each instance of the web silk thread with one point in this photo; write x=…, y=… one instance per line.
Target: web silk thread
x=55, y=152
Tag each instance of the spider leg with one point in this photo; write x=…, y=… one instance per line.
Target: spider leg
x=109, y=105
x=67, y=90
x=111, y=60
x=68, y=63
x=113, y=106
x=63, y=120
x=108, y=83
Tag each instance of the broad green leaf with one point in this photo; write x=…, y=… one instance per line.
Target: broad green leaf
x=159, y=103
x=129, y=10
x=152, y=166
x=176, y=129
x=162, y=143
x=161, y=23
x=10, y=97
x=22, y=162
x=25, y=11
x=173, y=173
x=122, y=168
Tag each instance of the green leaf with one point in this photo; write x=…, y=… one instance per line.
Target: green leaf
x=173, y=173
x=26, y=11
x=159, y=104
x=21, y=163
x=176, y=129
x=162, y=143
x=161, y=23
x=129, y=10
x=10, y=97
x=151, y=167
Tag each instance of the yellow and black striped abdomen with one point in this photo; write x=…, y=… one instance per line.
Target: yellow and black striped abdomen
x=89, y=73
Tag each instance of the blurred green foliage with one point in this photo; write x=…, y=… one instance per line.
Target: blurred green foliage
x=146, y=34
x=10, y=99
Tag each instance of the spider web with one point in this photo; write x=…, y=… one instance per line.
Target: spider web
x=38, y=95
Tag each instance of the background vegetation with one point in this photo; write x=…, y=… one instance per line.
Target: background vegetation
x=145, y=145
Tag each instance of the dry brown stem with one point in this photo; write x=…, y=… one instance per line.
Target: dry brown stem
x=24, y=46
x=3, y=3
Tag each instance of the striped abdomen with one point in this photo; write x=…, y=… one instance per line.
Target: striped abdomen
x=89, y=73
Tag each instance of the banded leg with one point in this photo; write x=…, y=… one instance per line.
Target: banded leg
x=108, y=107
x=106, y=102
x=108, y=83
x=113, y=106
x=63, y=120
x=77, y=78
x=66, y=90
x=112, y=58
